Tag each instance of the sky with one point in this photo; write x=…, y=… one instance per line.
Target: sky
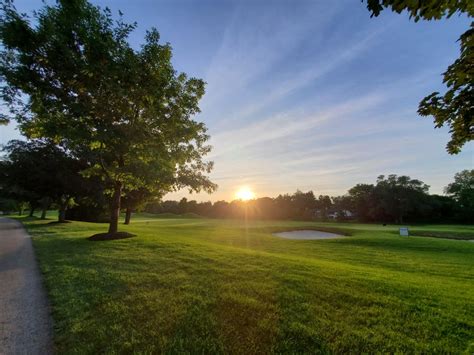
x=306, y=94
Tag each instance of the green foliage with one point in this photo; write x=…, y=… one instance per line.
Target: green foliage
x=462, y=189
x=41, y=172
x=75, y=79
x=7, y=205
x=455, y=108
x=362, y=200
x=213, y=286
x=426, y=9
x=391, y=199
x=137, y=199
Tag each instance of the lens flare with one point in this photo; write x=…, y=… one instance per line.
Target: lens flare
x=244, y=194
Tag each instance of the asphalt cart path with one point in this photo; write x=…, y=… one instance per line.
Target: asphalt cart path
x=25, y=320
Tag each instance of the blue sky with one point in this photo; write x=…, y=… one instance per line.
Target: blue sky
x=309, y=95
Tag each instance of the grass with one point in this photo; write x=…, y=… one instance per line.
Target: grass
x=223, y=286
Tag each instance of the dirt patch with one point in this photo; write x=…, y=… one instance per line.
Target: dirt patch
x=111, y=236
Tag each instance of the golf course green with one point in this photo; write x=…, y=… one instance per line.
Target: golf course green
x=228, y=286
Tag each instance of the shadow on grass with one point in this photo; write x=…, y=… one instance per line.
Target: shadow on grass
x=445, y=235
x=411, y=244
x=59, y=222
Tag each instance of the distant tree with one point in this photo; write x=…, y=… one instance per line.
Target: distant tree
x=40, y=171
x=169, y=206
x=397, y=196
x=137, y=199
x=323, y=205
x=74, y=78
x=303, y=204
x=442, y=209
x=455, y=108
x=11, y=191
x=153, y=207
x=192, y=206
x=362, y=201
x=342, y=205
x=392, y=199
x=265, y=208
x=183, y=205
x=220, y=209
x=284, y=206
x=204, y=208
x=7, y=205
x=462, y=190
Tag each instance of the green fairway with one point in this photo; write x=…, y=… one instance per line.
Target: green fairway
x=224, y=286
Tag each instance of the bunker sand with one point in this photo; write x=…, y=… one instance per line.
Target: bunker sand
x=307, y=235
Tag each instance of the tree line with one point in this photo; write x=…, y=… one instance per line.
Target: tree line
x=39, y=175
x=392, y=199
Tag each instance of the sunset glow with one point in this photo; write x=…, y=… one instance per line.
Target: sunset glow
x=244, y=194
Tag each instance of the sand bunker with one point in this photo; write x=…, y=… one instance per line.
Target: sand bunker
x=307, y=235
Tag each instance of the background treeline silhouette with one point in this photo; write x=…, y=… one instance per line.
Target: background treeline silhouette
x=392, y=199
x=39, y=175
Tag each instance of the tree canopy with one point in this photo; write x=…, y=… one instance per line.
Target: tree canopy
x=75, y=79
x=40, y=173
x=454, y=108
x=462, y=190
x=426, y=10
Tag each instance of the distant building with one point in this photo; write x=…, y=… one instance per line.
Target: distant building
x=342, y=214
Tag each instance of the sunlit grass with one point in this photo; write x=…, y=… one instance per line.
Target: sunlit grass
x=220, y=286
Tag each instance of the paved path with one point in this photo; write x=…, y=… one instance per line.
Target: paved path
x=25, y=322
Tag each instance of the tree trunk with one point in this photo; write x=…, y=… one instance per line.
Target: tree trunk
x=32, y=211
x=128, y=215
x=45, y=202
x=115, y=208
x=62, y=212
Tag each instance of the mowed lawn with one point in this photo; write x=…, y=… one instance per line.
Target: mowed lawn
x=224, y=286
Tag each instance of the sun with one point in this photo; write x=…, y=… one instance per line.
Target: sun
x=244, y=194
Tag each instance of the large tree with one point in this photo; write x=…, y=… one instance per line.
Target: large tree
x=73, y=77
x=454, y=108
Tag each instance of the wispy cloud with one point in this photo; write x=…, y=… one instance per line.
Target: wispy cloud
x=287, y=124
x=257, y=40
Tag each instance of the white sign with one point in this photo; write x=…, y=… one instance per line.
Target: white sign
x=404, y=232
